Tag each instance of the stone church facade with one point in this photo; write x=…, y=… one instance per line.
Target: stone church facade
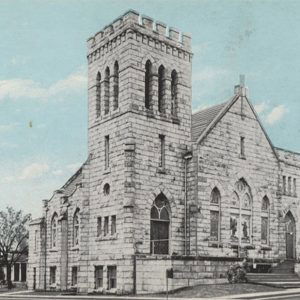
x=162, y=187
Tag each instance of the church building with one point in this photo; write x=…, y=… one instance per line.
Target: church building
x=163, y=188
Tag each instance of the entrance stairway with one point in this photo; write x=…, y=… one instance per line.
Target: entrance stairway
x=281, y=276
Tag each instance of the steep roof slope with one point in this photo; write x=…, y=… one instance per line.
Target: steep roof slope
x=205, y=120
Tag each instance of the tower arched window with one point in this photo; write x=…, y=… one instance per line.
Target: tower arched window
x=161, y=88
x=215, y=215
x=116, y=85
x=98, y=94
x=241, y=213
x=76, y=228
x=174, y=93
x=106, y=90
x=160, y=226
x=54, y=231
x=148, y=77
x=265, y=220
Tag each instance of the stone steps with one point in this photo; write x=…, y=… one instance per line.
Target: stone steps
x=281, y=280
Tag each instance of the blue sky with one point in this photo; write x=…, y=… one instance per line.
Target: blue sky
x=43, y=96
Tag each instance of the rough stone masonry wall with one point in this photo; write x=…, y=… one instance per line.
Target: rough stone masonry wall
x=110, y=250
x=290, y=167
x=187, y=271
x=35, y=256
x=220, y=165
x=134, y=141
x=147, y=124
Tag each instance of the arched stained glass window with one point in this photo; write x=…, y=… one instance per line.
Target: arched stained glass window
x=241, y=213
x=174, y=93
x=160, y=223
x=161, y=88
x=265, y=220
x=76, y=228
x=98, y=94
x=148, y=76
x=54, y=230
x=106, y=90
x=116, y=85
x=215, y=215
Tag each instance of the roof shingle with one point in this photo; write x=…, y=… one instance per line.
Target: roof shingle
x=202, y=119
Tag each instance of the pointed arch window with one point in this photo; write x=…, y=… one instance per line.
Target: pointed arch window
x=116, y=85
x=174, y=93
x=54, y=231
x=159, y=223
x=265, y=220
x=98, y=94
x=215, y=215
x=241, y=213
x=161, y=88
x=76, y=228
x=106, y=90
x=148, y=76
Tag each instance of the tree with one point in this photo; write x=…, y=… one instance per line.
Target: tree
x=13, y=238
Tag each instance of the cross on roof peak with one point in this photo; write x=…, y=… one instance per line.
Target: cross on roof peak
x=242, y=80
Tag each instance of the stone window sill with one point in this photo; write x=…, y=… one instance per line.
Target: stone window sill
x=161, y=170
x=289, y=195
x=265, y=247
x=53, y=286
x=75, y=248
x=106, y=171
x=215, y=244
x=53, y=250
x=73, y=287
x=245, y=246
x=99, y=290
x=242, y=157
x=107, y=237
x=175, y=120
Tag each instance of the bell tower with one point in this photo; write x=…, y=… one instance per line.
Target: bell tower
x=139, y=99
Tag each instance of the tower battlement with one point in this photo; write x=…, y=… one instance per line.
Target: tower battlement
x=133, y=22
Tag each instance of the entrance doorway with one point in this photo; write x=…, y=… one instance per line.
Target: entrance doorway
x=290, y=235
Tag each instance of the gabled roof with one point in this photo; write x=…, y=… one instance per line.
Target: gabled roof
x=202, y=118
x=205, y=120
x=70, y=186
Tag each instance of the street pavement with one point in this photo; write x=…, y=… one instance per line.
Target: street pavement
x=289, y=294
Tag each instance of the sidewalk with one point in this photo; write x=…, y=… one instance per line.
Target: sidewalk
x=29, y=295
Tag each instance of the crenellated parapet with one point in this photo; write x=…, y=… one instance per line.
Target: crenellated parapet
x=132, y=25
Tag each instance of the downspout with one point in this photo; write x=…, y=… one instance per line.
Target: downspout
x=186, y=157
x=45, y=271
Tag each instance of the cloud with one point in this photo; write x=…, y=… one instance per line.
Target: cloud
x=57, y=172
x=276, y=114
x=8, y=179
x=24, y=88
x=7, y=127
x=260, y=107
x=201, y=107
x=18, y=60
x=209, y=73
x=5, y=144
x=73, y=167
x=34, y=170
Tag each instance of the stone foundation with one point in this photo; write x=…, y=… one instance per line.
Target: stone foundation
x=187, y=271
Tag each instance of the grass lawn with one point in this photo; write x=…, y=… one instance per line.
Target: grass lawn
x=4, y=289
x=218, y=290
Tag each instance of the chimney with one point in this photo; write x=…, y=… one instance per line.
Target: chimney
x=241, y=89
